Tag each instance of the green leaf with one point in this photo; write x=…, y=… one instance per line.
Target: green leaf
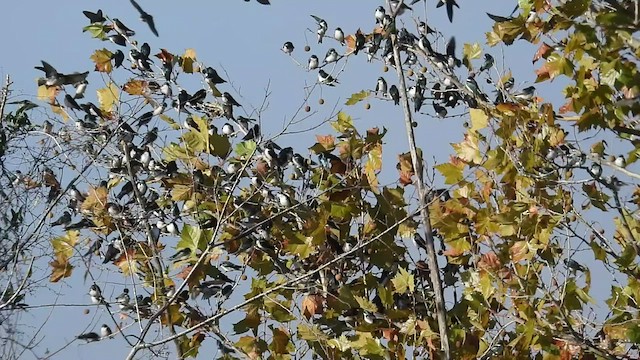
x=452, y=173
x=357, y=97
x=403, y=281
x=471, y=51
x=245, y=148
x=343, y=124
x=365, y=304
x=97, y=30
x=219, y=145
x=386, y=296
x=193, y=238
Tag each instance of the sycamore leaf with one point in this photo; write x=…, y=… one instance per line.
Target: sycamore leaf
x=452, y=173
x=403, y=281
x=63, y=245
x=48, y=93
x=102, y=59
x=136, y=87
x=543, y=51
x=357, y=97
x=312, y=305
x=245, y=148
x=188, y=60
x=471, y=51
x=108, y=97
x=373, y=166
x=193, y=238
x=172, y=316
x=365, y=304
x=97, y=30
x=479, y=119
x=468, y=150
x=343, y=123
x=519, y=251
x=96, y=200
x=280, y=343
x=60, y=268
x=164, y=56
x=57, y=109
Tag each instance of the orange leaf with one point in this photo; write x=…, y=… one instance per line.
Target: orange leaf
x=136, y=87
x=567, y=107
x=405, y=178
x=519, y=251
x=327, y=141
x=60, y=268
x=489, y=261
x=543, y=51
x=350, y=40
x=390, y=334
x=102, y=59
x=312, y=305
x=453, y=252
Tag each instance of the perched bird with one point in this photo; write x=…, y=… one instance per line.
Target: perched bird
x=440, y=110
x=574, y=265
x=425, y=45
x=81, y=87
x=228, y=99
x=379, y=14
x=325, y=78
x=488, y=62
x=526, y=94
x=229, y=266
x=449, y=5
x=322, y=28
x=313, y=62
x=381, y=86
x=94, y=290
x=89, y=337
x=451, y=54
x=284, y=200
x=332, y=56
x=424, y=29
x=54, y=78
x=62, y=220
x=145, y=17
x=595, y=170
x=118, y=58
x=71, y=103
x=360, y=42
x=211, y=77
x=119, y=27
x=145, y=118
x=112, y=252
x=105, y=331
x=227, y=129
x=395, y=94
x=118, y=39
x=123, y=299
x=94, y=17
x=620, y=161
x=288, y=47
x=339, y=35
x=399, y=10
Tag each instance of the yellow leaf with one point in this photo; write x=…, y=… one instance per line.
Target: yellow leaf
x=60, y=268
x=373, y=165
x=96, y=200
x=188, y=60
x=108, y=97
x=102, y=59
x=57, y=109
x=48, y=94
x=63, y=245
x=468, y=150
x=479, y=119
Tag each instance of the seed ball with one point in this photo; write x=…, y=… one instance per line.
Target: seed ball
x=307, y=48
x=321, y=101
x=423, y=69
x=385, y=68
x=367, y=106
x=307, y=108
x=243, y=277
x=410, y=72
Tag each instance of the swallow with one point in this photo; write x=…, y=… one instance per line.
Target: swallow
x=65, y=219
x=54, y=78
x=229, y=266
x=228, y=99
x=95, y=17
x=324, y=78
x=620, y=161
x=145, y=17
x=285, y=156
x=411, y=59
x=379, y=14
x=159, y=109
x=284, y=200
x=339, y=35
x=424, y=29
x=313, y=63
x=574, y=265
x=440, y=110
x=105, y=331
x=197, y=98
x=488, y=62
x=425, y=45
x=121, y=29
x=117, y=39
x=595, y=170
x=526, y=94
x=398, y=10
x=145, y=118
x=253, y=133
x=89, y=337
x=118, y=58
x=472, y=85
x=381, y=86
x=227, y=129
x=395, y=94
x=126, y=189
x=332, y=56
x=80, y=89
x=449, y=5
x=71, y=103
x=94, y=290
x=112, y=253
x=123, y=299
x=418, y=98
x=288, y=47
x=360, y=42
x=211, y=76
x=322, y=28
x=451, y=54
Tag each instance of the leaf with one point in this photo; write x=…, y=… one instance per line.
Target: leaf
x=281, y=342
x=543, y=51
x=97, y=30
x=165, y=56
x=108, y=97
x=373, y=166
x=63, y=245
x=327, y=142
x=245, y=148
x=519, y=251
x=357, y=97
x=188, y=59
x=468, y=150
x=102, y=59
x=471, y=51
x=136, y=87
x=452, y=173
x=193, y=238
x=48, y=94
x=312, y=305
x=343, y=123
x=479, y=119
x=60, y=269
x=96, y=200
x=365, y=304
x=403, y=281
x=172, y=315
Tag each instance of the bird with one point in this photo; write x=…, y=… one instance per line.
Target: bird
x=284, y=200
x=395, y=94
x=118, y=39
x=451, y=54
x=211, y=77
x=118, y=58
x=339, y=35
x=145, y=118
x=574, y=265
x=145, y=17
x=332, y=56
x=399, y=10
x=228, y=99
x=526, y=94
x=114, y=209
x=89, y=337
x=440, y=110
x=379, y=14
x=54, y=78
x=381, y=86
x=123, y=299
x=488, y=62
x=472, y=85
x=360, y=42
x=620, y=161
x=595, y=170
x=325, y=78
x=94, y=290
x=227, y=129
x=94, y=17
x=62, y=220
x=288, y=47
x=121, y=29
x=322, y=28
x=425, y=45
x=424, y=29
x=82, y=224
x=105, y=331
x=81, y=87
x=449, y=5
x=71, y=103
x=313, y=62
x=112, y=253
x=159, y=109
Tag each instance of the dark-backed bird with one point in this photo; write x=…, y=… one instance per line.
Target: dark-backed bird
x=94, y=17
x=145, y=17
x=449, y=5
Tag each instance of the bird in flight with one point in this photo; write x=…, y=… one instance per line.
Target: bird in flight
x=145, y=17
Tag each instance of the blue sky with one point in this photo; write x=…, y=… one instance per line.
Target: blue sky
x=244, y=39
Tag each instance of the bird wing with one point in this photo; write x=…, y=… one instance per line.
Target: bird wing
x=152, y=25
x=264, y=2
x=135, y=5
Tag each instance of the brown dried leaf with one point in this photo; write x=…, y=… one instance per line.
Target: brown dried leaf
x=136, y=87
x=312, y=305
x=543, y=51
x=164, y=56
